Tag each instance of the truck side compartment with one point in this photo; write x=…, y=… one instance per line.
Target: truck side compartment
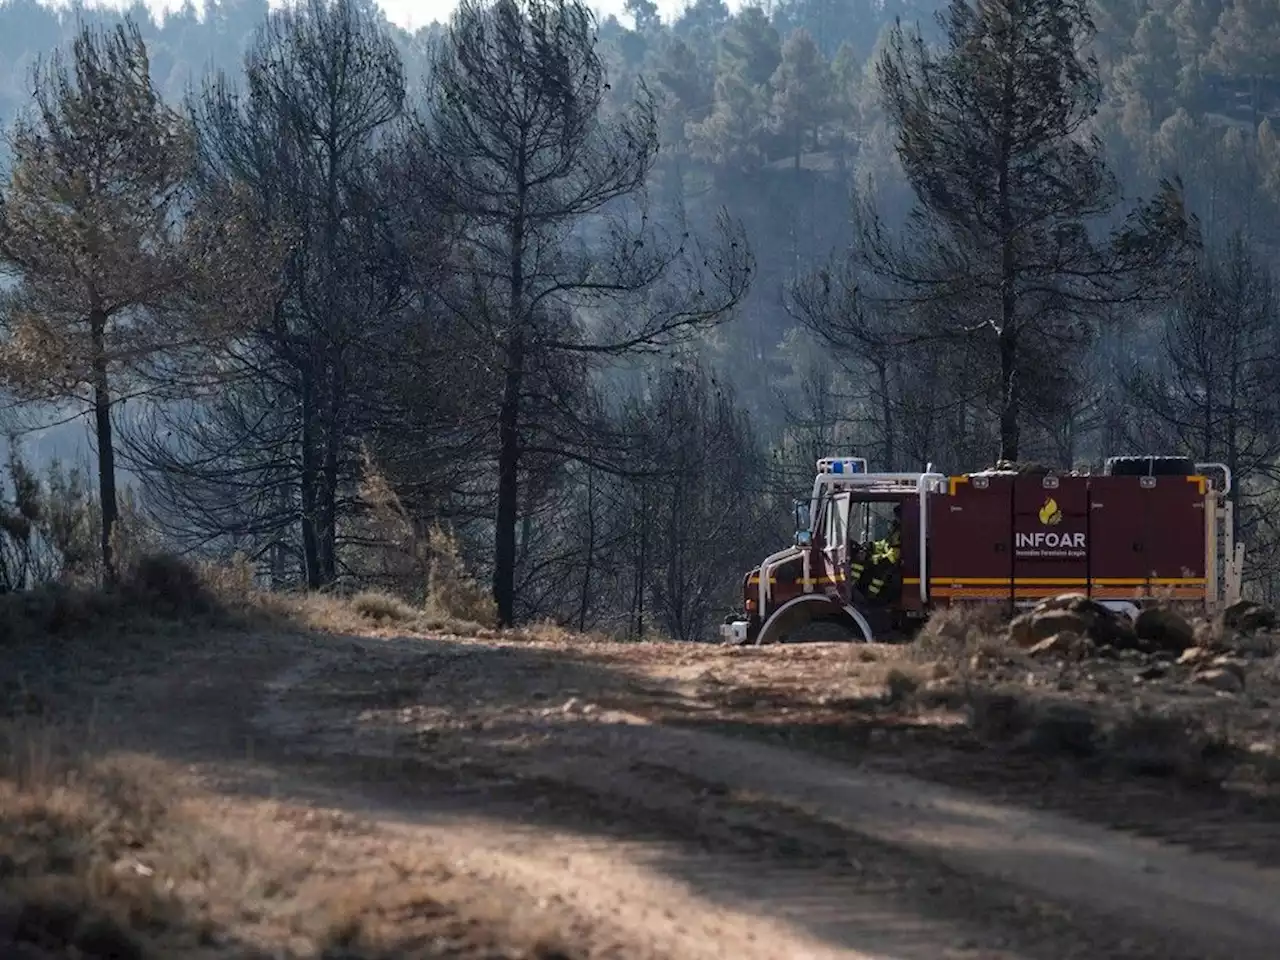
x=1149, y=537
x=1020, y=538
x=1050, y=535
x=970, y=542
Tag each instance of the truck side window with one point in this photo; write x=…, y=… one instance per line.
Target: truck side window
x=842, y=520
x=859, y=524
x=835, y=522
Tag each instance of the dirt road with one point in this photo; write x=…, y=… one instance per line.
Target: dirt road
x=553, y=783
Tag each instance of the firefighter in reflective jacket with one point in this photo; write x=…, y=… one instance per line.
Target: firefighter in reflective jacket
x=885, y=555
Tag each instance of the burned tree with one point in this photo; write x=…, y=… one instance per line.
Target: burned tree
x=558, y=262
x=269, y=460
x=699, y=510
x=111, y=256
x=1210, y=386
x=998, y=263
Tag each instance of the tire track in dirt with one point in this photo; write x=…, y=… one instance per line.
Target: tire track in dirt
x=1222, y=907
x=1233, y=828
x=643, y=897
x=1031, y=885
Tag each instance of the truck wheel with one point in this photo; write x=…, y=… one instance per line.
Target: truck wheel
x=810, y=619
x=826, y=630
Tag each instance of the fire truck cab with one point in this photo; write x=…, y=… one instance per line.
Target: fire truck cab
x=1144, y=528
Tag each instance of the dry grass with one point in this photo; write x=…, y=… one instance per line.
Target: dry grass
x=155, y=592
x=962, y=636
x=160, y=594
x=75, y=842
x=382, y=607
x=451, y=591
x=120, y=859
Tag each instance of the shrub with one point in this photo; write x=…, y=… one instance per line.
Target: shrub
x=166, y=586
x=382, y=607
x=451, y=591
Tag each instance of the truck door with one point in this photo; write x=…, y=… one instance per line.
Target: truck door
x=1050, y=533
x=1149, y=537
x=970, y=540
x=1177, y=536
x=1119, y=538
x=835, y=545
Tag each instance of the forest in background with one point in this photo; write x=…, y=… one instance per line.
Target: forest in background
x=726, y=283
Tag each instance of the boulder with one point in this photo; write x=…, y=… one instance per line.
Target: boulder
x=1162, y=628
x=1076, y=602
x=1247, y=616
x=1235, y=665
x=1076, y=614
x=1030, y=629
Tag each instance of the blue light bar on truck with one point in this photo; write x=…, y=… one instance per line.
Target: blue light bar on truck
x=842, y=465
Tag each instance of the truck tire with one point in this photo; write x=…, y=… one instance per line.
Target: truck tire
x=1150, y=467
x=824, y=630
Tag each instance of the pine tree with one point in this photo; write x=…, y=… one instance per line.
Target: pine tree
x=524, y=157
x=802, y=92
x=734, y=135
x=97, y=227
x=1150, y=71
x=1193, y=22
x=999, y=264
x=750, y=47
x=1209, y=386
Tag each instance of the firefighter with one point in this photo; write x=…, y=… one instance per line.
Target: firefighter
x=859, y=559
x=885, y=555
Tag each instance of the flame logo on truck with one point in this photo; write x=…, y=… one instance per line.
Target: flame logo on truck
x=1050, y=513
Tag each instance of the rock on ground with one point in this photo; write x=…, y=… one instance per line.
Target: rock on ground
x=1247, y=616
x=1163, y=628
x=1073, y=613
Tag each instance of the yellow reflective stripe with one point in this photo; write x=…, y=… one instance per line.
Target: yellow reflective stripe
x=1063, y=581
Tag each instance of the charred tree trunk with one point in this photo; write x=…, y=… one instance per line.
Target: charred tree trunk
x=504, y=548
x=642, y=571
x=1009, y=433
x=584, y=599
x=307, y=484
x=331, y=365
x=504, y=554
x=1008, y=335
x=889, y=451
x=331, y=478
x=106, y=444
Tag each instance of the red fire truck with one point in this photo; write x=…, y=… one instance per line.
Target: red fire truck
x=1144, y=528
